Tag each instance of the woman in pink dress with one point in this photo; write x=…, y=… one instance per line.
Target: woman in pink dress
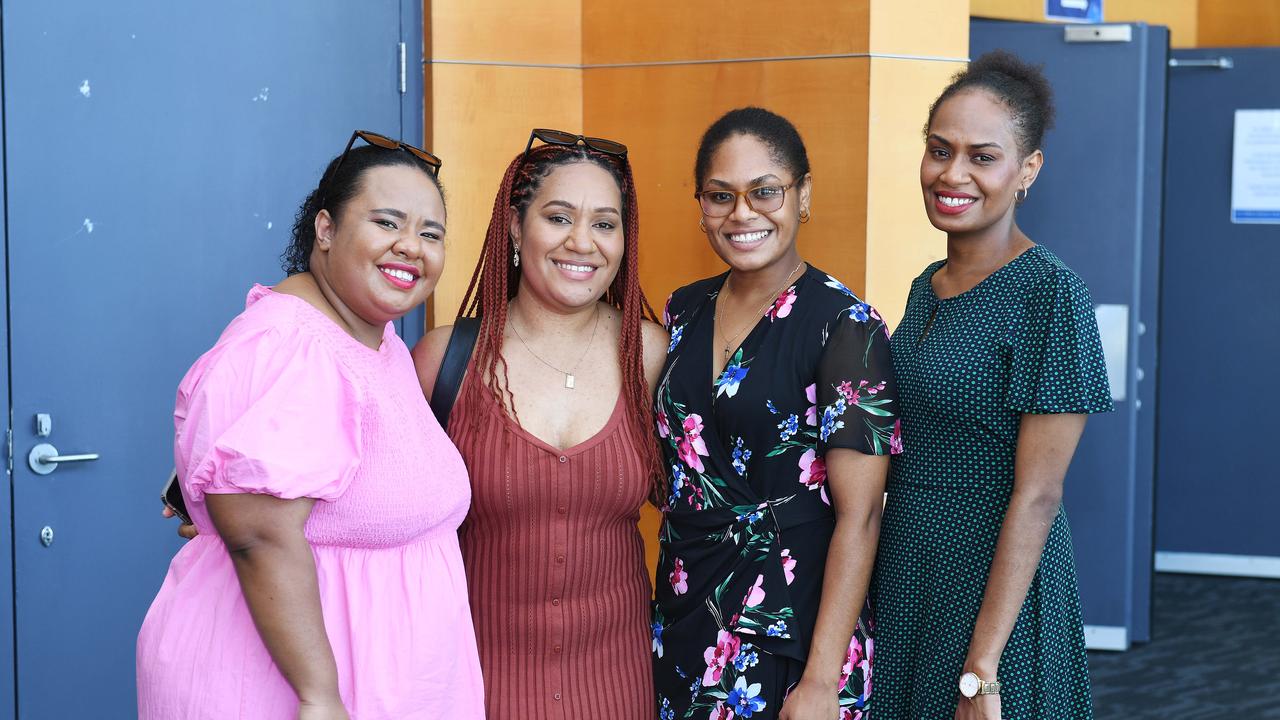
x=326, y=581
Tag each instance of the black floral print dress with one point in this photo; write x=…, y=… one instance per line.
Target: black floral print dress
x=748, y=521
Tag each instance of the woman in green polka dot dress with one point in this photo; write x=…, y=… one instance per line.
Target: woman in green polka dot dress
x=998, y=362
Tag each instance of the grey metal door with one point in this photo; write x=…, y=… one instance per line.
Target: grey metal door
x=1097, y=205
x=155, y=154
x=1217, y=485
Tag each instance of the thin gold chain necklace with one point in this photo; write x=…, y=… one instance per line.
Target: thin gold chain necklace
x=728, y=341
x=569, y=378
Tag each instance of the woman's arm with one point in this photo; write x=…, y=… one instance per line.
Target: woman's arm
x=655, y=341
x=856, y=483
x=1045, y=446
x=277, y=573
x=428, y=354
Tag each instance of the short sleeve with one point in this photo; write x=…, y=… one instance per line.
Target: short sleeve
x=273, y=414
x=1057, y=362
x=857, y=399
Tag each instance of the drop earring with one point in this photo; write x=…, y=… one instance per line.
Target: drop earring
x=515, y=254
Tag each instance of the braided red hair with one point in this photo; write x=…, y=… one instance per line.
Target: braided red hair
x=494, y=283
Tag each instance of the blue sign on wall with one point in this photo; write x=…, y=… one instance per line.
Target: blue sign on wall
x=1079, y=11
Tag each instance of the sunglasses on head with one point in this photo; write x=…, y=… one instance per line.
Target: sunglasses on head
x=382, y=141
x=560, y=137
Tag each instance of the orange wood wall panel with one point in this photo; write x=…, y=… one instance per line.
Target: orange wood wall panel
x=481, y=117
x=1239, y=23
x=626, y=31
x=514, y=31
x=900, y=240
x=932, y=28
x=826, y=99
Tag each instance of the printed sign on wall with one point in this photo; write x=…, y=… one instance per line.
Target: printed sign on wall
x=1255, y=167
x=1078, y=11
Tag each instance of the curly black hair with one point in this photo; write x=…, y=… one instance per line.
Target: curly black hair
x=333, y=193
x=1017, y=84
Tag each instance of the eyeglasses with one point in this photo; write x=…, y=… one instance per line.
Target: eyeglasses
x=761, y=199
x=560, y=137
x=382, y=141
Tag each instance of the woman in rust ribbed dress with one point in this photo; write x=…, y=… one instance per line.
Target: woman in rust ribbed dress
x=553, y=419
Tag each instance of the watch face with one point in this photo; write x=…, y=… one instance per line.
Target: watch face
x=969, y=685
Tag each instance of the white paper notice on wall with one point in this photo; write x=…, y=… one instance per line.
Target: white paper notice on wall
x=1113, y=326
x=1255, y=167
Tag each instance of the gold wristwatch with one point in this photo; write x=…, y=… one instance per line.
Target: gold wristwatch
x=972, y=686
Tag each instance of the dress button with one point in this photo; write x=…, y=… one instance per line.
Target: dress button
x=556, y=696
x=562, y=510
x=555, y=601
x=564, y=459
x=556, y=649
x=560, y=559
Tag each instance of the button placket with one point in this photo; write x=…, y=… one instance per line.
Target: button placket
x=558, y=574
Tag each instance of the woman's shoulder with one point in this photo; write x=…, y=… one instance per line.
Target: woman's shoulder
x=1044, y=276
x=831, y=291
x=688, y=295
x=266, y=344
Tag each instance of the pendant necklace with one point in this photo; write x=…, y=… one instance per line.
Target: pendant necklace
x=728, y=341
x=569, y=378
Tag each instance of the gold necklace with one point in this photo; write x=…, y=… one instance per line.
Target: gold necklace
x=728, y=341
x=569, y=378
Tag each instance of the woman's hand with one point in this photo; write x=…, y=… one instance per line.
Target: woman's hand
x=184, y=530
x=982, y=707
x=809, y=700
x=332, y=710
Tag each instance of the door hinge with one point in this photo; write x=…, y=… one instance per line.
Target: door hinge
x=8, y=450
x=404, y=74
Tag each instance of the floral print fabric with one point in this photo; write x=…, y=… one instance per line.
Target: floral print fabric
x=748, y=518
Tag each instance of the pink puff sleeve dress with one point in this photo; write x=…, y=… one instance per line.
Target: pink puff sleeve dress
x=288, y=404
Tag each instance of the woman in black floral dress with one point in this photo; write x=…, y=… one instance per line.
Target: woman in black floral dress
x=776, y=414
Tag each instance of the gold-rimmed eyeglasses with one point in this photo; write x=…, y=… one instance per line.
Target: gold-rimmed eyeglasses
x=761, y=199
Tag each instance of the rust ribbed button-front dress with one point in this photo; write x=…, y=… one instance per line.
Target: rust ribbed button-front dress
x=555, y=569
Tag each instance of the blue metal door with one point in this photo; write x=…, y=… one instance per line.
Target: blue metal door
x=1097, y=205
x=1217, y=491
x=156, y=153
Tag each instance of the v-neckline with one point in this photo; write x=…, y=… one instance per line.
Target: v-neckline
x=709, y=353
x=586, y=444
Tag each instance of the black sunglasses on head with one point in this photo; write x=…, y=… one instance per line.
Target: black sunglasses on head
x=382, y=141
x=560, y=137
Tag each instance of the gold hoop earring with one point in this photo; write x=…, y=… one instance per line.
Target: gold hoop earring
x=805, y=215
x=1020, y=196
x=702, y=224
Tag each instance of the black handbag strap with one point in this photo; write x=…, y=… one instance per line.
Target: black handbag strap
x=454, y=365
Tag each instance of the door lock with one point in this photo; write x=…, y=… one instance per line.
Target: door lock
x=46, y=536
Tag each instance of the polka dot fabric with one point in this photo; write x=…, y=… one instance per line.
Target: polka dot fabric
x=1024, y=340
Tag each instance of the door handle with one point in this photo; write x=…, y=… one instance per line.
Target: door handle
x=44, y=458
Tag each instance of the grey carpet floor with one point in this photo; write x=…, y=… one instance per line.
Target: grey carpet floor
x=1214, y=653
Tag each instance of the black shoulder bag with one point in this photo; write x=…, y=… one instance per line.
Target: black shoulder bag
x=454, y=365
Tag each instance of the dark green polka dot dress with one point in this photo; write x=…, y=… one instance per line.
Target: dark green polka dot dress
x=1025, y=340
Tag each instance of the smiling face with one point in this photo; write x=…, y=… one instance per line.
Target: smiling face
x=972, y=165
x=747, y=239
x=571, y=236
x=383, y=255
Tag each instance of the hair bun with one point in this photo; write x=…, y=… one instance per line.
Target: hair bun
x=1019, y=85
